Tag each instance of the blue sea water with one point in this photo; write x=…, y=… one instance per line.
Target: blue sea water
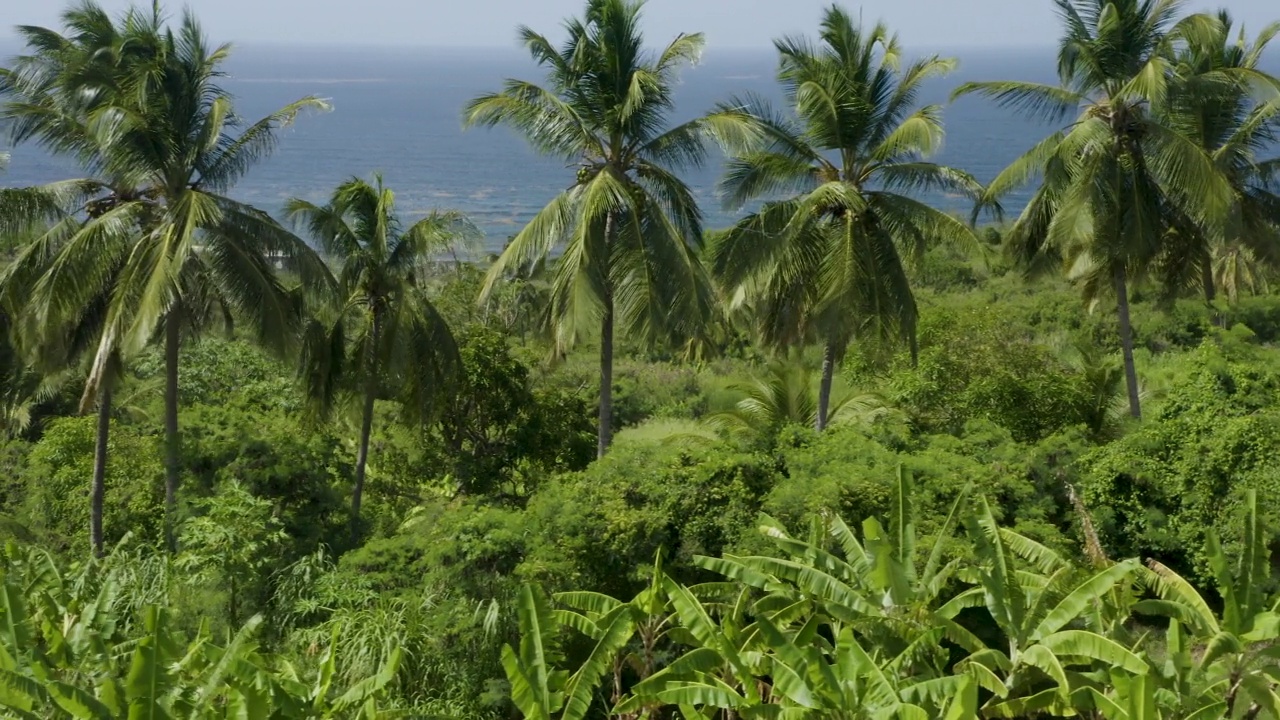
x=398, y=112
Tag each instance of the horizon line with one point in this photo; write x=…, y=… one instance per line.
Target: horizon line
x=14, y=39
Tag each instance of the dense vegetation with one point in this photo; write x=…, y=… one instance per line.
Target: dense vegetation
x=850, y=457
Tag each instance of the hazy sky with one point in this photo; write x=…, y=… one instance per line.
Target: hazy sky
x=727, y=23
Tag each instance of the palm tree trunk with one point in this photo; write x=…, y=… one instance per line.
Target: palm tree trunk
x=605, y=434
x=824, y=390
x=1126, y=341
x=366, y=425
x=98, y=491
x=172, y=442
x=1206, y=279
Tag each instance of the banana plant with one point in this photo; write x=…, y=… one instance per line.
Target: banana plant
x=770, y=660
x=1041, y=605
x=847, y=681
x=1168, y=692
x=537, y=687
x=65, y=652
x=722, y=663
x=876, y=583
x=1228, y=664
x=626, y=636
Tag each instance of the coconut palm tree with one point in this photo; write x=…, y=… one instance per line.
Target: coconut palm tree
x=1227, y=105
x=786, y=395
x=385, y=339
x=826, y=262
x=137, y=102
x=628, y=227
x=1117, y=179
x=55, y=333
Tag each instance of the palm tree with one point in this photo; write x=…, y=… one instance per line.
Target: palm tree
x=786, y=395
x=1118, y=179
x=1227, y=105
x=825, y=262
x=48, y=343
x=386, y=338
x=162, y=243
x=628, y=227
x=56, y=333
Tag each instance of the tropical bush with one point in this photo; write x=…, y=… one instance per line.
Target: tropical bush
x=54, y=496
x=878, y=623
x=74, y=647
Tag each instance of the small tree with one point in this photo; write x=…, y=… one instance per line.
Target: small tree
x=230, y=542
x=386, y=337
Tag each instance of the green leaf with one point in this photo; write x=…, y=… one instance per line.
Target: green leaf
x=328, y=665
x=694, y=617
x=1041, y=657
x=904, y=527
x=1172, y=587
x=368, y=689
x=78, y=703
x=964, y=702
x=524, y=693
x=529, y=670
x=1212, y=711
x=13, y=624
x=789, y=666
x=1086, y=595
x=148, y=678
x=597, y=604
x=711, y=693
x=619, y=628
x=21, y=693
x=1086, y=644
x=1023, y=706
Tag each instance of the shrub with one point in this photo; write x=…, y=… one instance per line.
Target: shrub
x=605, y=525
x=217, y=372
x=499, y=434
x=972, y=367
x=1185, y=469
x=302, y=471
x=59, y=473
x=847, y=472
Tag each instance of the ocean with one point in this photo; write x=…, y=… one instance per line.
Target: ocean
x=398, y=112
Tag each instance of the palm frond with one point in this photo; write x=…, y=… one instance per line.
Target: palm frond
x=1035, y=100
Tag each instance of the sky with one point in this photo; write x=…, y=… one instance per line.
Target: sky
x=727, y=23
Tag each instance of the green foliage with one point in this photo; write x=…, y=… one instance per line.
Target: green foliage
x=500, y=434
x=971, y=367
x=56, y=484
x=948, y=552
x=863, y=625
x=69, y=648
x=788, y=395
x=216, y=371
x=847, y=471
x=602, y=527
x=1158, y=490
x=300, y=469
x=448, y=646
x=229, y=542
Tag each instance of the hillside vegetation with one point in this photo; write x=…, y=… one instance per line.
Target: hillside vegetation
x=852, y=457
